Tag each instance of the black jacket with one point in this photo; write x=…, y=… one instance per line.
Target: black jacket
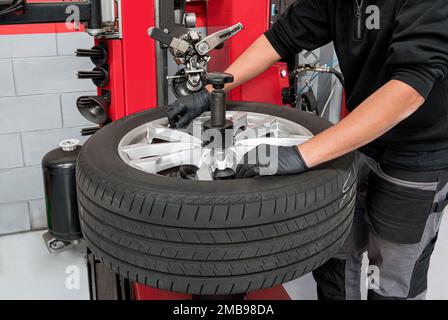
x=410, y=45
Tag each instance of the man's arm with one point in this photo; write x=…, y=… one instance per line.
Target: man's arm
x=383, y=110
x=387, y=107
x=391, y=104
x=253, y=62
x=417, y=60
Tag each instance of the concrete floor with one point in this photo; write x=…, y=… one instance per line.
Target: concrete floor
x=28, y=271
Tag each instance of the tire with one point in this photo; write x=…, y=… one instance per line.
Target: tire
x=217, y=237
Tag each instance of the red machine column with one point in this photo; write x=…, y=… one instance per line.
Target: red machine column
x=132, y=61
x=255, y=15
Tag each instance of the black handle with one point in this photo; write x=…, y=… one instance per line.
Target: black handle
x=218, y=98
x=218, y=80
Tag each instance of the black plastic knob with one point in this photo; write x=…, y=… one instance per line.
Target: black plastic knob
x=218, y=80
x=94, y=108
x=97, y=54
x=99, y=76
x=289, y=95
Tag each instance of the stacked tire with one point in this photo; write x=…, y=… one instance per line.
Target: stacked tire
x=212, y=237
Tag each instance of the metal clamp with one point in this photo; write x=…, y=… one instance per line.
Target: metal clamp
x=55, y=245
x=192, y=50
x=214, y=40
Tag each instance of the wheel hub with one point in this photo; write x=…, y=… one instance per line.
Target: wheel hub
x=156, y=148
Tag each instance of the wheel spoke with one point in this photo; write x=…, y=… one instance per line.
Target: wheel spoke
x=259, y=129
x=205, y=167
x=196, y=127
x=144, y=150
x=157, y=131
x=161, y=163
x=239, y=120
x=284, y=142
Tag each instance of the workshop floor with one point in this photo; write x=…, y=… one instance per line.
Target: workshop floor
x=28, y=271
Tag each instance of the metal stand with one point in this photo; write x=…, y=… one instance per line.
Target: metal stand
x=217, y=127
x=54, y=13
x=55, y=246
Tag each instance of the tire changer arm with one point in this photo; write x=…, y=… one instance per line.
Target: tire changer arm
x=192, y=50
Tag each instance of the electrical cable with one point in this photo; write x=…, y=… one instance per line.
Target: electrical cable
x=316, y=71
x=13, y=7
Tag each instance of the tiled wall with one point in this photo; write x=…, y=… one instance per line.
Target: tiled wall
x=38, y=90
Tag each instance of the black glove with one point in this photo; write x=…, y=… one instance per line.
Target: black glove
x=267, y=160
x=188, y=108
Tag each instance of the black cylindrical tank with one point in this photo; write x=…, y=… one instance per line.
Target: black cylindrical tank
x=59, y=168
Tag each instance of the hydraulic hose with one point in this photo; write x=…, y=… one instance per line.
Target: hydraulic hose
x=13, y=5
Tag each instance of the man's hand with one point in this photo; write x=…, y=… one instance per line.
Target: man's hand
x=267, y=160
x=186, y=109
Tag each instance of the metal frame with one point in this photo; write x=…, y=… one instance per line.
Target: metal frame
x=105, y=284
x=256, y=16
x=47, y=13
x=165, y=20
x=90, y=13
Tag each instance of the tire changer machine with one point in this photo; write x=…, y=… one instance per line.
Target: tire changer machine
x=134, y=73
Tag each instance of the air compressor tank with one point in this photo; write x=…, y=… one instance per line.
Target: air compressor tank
x=59, y=169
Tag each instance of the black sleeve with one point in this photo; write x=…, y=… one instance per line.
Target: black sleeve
x=418, y=53
x=304, y=26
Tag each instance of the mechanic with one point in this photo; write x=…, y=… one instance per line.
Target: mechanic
x=397, y=90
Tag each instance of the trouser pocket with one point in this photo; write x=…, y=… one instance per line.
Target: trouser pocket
x=397, y=210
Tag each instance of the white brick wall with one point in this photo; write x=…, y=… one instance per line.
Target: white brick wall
x=38, y=90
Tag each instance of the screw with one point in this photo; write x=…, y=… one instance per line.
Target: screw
x=283, y=73
x=203, y=47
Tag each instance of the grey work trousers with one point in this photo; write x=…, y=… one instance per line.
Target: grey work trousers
x=397, y=219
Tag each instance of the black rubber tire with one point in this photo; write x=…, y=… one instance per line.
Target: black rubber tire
x=212, y=238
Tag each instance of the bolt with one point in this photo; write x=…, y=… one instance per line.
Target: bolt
x=203, y=47
x=283, y=74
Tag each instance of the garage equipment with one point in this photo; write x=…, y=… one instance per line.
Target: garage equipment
x=307, y=101
x=7, y=6
x=94, y=108
x=132, y=70
x=219, y=130
x=23, y=12
x=59, y=169
x=192, y=50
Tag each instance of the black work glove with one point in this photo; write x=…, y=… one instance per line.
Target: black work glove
x=188, y=108
x=267, y=160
